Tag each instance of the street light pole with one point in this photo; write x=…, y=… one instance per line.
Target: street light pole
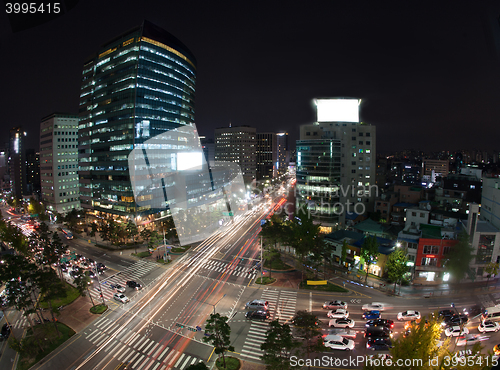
x=99, y=283
x=261, y=263
x=216, y=303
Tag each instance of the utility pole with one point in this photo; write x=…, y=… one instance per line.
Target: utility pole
x=261, y=263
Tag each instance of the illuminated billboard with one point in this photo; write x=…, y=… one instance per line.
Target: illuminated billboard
x=189, y=161
x=337, y=110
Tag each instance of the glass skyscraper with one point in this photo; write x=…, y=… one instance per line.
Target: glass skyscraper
x=137, y=86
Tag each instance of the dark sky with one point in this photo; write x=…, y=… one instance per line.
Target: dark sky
x=428, y=72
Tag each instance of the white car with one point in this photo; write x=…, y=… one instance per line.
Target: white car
x=338, y=342
x=374, y=306
x=408, y=315
x=454, y=331
x=339, y=313
x=488, y=326
x=343, y=322
x=469, y=339
x=332, y=305
x=346, y=333
x=121, y=297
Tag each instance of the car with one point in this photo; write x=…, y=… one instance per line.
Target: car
x=343, y=322
x=332, y=305
x=408, y=315
x=257, y=304
x=347, y=333
x=455, y=331
x=474, y=310
x=338, y=342
x=379, y=344
x=5, y=333
x=469, y=339
x=374, y=306
x=371, y=315
x=121, y=297
x=119, y=288
x=339, y=313
x=101, y=266
x=379, y=322
x=456, y=319
x=90, y=274
x=446, y=313
x=378, y=331
x=488, y=326
x=134, y=285
x=258, y=315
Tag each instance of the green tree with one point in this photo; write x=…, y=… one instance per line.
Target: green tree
x=132, y=230
x=94, y=229
x=219, y=335
x=343, y=253
x=307, y=327
x=198, y=366
x=278, y=346
x=459, y=257
x=491, y=269
x=396, y=266
x=82, y=282
x=369, y=252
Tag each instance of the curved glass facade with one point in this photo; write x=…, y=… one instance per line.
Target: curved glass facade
x=139, y=85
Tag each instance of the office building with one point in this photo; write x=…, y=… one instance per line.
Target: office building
x=238, y=144
x=59, y=162
x=17, y=163
x=336, y=163
x=267, y=155
x=283, y=151
x=490, y=201
x=432, y=168
x=32, y=172
x=138, y=85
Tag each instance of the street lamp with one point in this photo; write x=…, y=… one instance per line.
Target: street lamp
x=216, y=303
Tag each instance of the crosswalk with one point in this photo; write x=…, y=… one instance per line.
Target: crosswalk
x=132, y=272
x=139, y=351
x=282, y=307
x=222, y=267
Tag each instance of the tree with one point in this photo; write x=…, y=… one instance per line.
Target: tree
x=198, y=366
x=491, y=269
x=459, y=257
x=132, y=230
x=278, y=346
x=396, y=266
x=82, y=285
x=219, y=333
x=307, y=327
x=94, y=229
x=369, y=252
x=343, y=253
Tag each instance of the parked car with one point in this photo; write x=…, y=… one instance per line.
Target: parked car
x=118, y=288
x=134, y=285
x=455, y=331
x=371, y=315
x=374, y=306
x=5, y=333
x=347, y=333
x=379, y=344
x=339, y=313
x=343, y=322
x=338, y=342
x=408, y=315
x=258, y=315
x=121, y=297
x=488, y=326
x=380, y=322
x=332, y=305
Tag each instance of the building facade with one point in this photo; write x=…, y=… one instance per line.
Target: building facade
x=267, y=155
x=137, y=86
x=32, y=172
x=59, y=162
x=238, y=144
x=347, y=168
x=17, y=162
x=283, y=151
x=490, y=201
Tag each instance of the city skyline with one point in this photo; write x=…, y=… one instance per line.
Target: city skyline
x=424, y=86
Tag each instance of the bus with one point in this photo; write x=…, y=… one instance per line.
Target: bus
x=67, y=233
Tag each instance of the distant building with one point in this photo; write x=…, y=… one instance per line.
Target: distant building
x=490, y=201
x=17, y=162
x=458, y=192
x=208, y=146
x=32, y=172
x=59, y=162
x=435, y=167
x=238, y=144
x=283, y=151
x=267, y=155
x=4, y=168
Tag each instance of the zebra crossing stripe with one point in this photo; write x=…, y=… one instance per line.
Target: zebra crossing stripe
x=185, y=363
x=130, y=355
x=179, y=360
x=138, y=343
x=145, y=342
x=122, y=356
x=164, y=352
x=138, y=360
x=133, y=359
x=102, y=340
x=169, y=355
x=154, y=368
x=146, y=349
x=158, y=351
x=133, y=340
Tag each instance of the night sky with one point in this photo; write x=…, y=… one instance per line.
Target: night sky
x=428, y=72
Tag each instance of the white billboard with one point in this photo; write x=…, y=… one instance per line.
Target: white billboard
x=189, y=161
x=337, y=110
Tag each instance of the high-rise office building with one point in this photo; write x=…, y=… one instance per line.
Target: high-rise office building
x=32, y=172
x=283, y=151
x=137, y=86
x=266, y=155
x=17, y=163
x=336, y=163
x=59, y=162
x=208, y=146
x=237, y=144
